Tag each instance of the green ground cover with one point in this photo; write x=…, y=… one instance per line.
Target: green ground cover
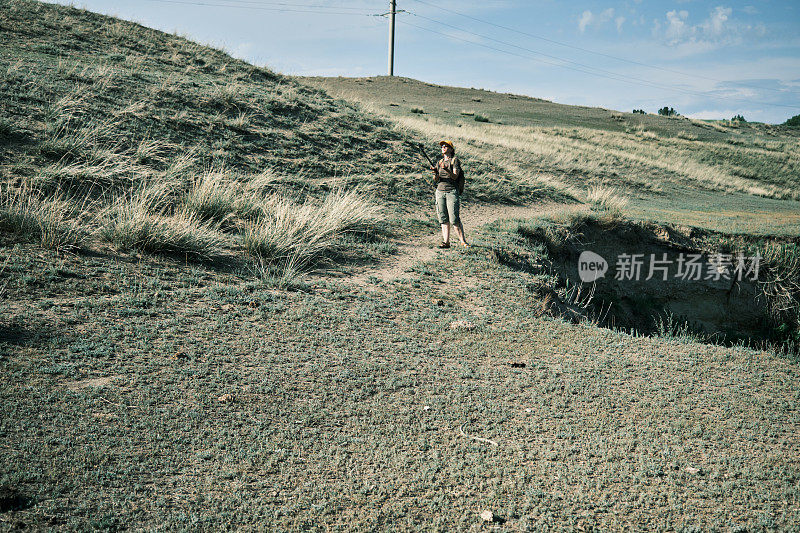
x=228, y=405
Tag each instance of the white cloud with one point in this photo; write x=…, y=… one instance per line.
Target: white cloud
x=619, y=21
x=716, y=31
x=588, y=18
x=750, y=10
x=676, y=28
x=715, y=24
x=585, y=20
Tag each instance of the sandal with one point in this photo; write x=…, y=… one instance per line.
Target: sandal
x=444, y=245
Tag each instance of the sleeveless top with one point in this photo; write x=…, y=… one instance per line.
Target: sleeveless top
x=444, y=181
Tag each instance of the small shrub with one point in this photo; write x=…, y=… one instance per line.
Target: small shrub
x=738, y=118
x=667, y=112
x=793, y=122
x=418, y=110
x=480, y=118
x=638, y=112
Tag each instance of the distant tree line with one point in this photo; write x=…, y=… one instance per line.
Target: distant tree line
x=667, y=112
x=793, y=122
x=638, y=112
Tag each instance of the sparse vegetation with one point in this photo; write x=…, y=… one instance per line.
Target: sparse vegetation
x=567, y=144
x=605, y=198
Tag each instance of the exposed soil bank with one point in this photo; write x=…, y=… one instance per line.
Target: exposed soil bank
x=660, y=279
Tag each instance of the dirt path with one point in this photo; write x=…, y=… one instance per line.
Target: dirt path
x=424, y=247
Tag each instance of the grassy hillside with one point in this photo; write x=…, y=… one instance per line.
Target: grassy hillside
x=167, y=365
x=116, y=133
x=90, y=100
x=572, y=146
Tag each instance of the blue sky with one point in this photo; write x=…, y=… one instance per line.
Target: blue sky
x=707, y=59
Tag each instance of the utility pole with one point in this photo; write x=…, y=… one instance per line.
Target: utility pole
x=391, y=39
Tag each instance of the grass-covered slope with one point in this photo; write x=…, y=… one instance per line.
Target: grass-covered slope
x=113, y=132
x=89, y=100
x=573, y=146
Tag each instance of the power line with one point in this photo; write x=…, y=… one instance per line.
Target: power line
x=557, y=58
x=613, y=76
x=631, y=61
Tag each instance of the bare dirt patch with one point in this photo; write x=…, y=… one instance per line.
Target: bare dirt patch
x=92, y=383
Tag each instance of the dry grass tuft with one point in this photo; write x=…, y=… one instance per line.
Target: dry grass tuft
x=299, y=234
x=212, y=197
x=605, y=198
x=43, y=220
x=142, y=221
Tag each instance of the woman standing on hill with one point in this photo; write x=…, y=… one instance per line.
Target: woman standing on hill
x=449, y=180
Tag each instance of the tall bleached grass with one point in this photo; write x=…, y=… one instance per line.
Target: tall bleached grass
x=605, y=198
x=142, y=221
x=218, y=196
x=211, y=197
x=300, y=234
x=49, y=222
x=284, y=236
